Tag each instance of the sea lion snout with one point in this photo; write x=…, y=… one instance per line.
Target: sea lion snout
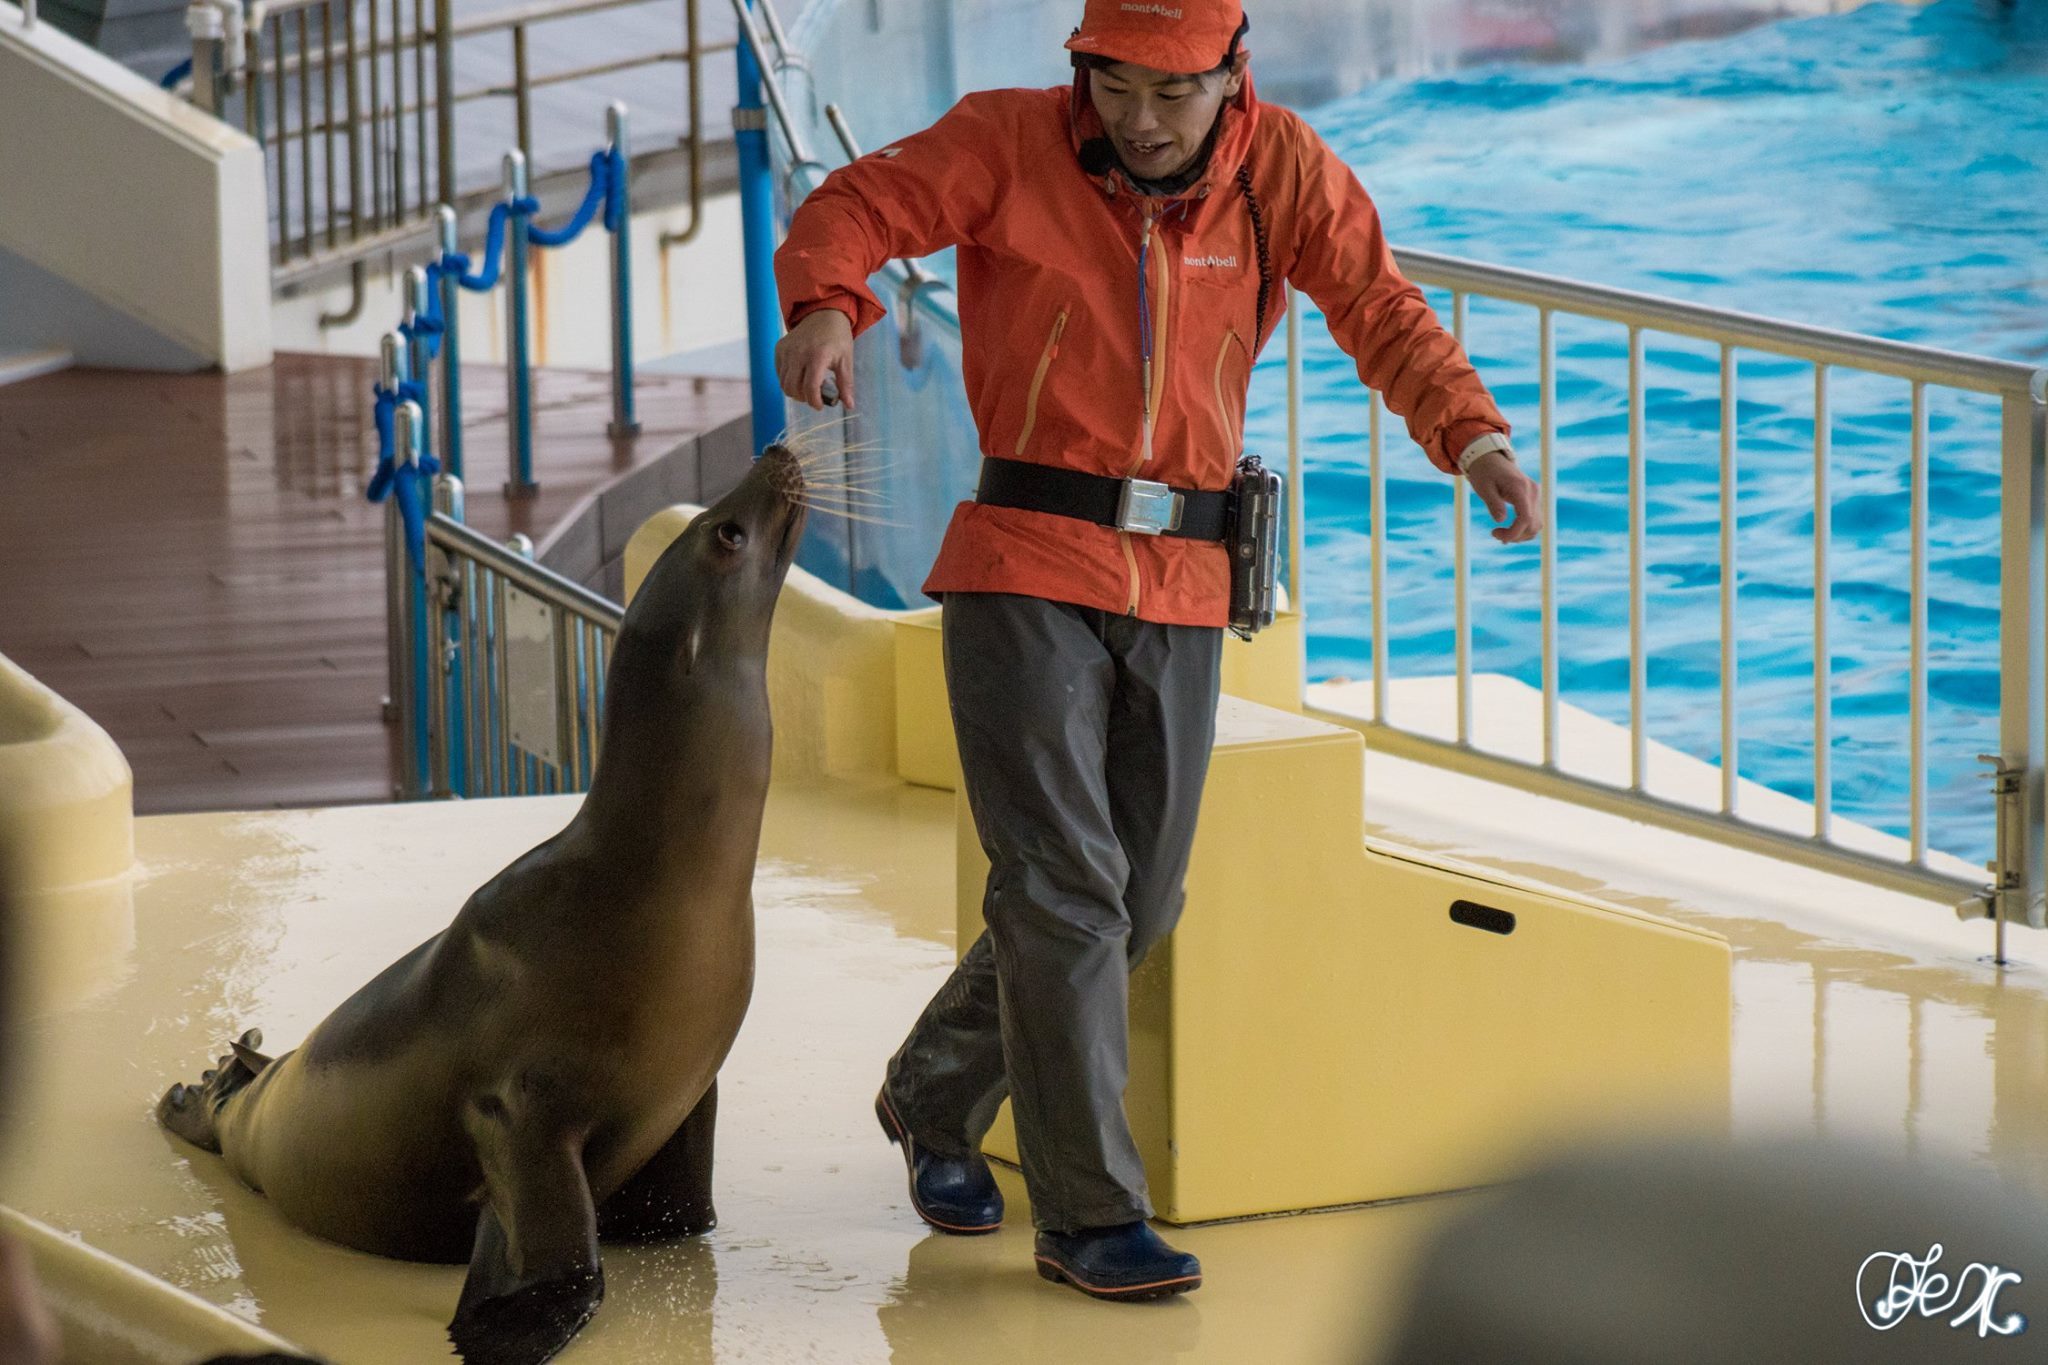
x=763, y=512
x=776, y=484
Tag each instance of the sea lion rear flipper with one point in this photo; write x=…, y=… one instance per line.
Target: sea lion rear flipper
x=534, y=1182
x=671, y=1195
x=245, y=1051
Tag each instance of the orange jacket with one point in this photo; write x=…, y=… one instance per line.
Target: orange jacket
x=1049, y=316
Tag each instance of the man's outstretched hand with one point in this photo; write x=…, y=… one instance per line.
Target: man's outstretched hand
x=819, y=345
x=1501, y=484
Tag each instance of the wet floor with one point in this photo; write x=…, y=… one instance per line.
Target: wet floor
x=1856, y=1012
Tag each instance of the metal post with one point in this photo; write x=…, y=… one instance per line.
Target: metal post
x=624, y=423
x=2023, y=645
x=447, y=715
x=519, y=367
x=391, y=373
x=757, y=234
x=208, y=28
x=409, y=430
x=419, y=350
x=451, y=350
x=1297, y=477
x=444, y=96
x=28, y=15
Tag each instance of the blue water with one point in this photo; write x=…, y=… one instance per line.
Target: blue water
x=1882, y=171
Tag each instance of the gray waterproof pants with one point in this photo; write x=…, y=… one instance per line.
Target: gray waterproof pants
x=1084, y=739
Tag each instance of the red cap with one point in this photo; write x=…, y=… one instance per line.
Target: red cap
x=1166, y=35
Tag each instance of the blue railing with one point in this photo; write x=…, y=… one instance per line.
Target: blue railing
x=417, y=474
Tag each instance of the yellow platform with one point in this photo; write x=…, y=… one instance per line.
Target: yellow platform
x=1859, y=1013
x=1338, y=1021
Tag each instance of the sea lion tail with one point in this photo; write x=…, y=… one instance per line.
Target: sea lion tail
x=190, y=1110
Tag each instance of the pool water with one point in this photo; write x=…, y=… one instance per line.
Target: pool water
x=1881, y=171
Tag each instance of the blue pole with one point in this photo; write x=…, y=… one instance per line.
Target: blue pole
x=520, y=367
x=448, y=502
x=410, y=433
x=451, y=351
x=619, y=216
x=418, y=303
x=757, y=233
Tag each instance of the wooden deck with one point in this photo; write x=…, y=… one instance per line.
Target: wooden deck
x=190, y=559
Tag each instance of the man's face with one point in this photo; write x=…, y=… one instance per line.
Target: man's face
x=1158, y=120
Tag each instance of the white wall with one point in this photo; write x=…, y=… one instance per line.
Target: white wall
x=700, y=302
x=116, y=191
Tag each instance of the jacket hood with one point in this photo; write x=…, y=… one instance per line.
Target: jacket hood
x=1232, y=138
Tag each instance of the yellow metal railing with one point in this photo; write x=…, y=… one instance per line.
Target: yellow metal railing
x=354, y=102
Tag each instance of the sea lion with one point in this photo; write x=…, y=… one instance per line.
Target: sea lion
x=542, y=1072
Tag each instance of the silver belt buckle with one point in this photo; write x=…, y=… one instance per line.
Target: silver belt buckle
x=1147, y=507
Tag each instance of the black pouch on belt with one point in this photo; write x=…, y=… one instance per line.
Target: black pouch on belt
x=1252, y=535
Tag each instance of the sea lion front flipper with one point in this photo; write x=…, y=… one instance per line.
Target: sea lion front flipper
x=671, y=1195
x=521, y=1304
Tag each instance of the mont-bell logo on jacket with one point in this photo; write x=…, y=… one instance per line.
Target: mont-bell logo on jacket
x=1163, y=11
x=1210, y=262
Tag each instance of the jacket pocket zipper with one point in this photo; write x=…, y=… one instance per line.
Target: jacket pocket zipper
x=1045, y=359
x=1230, y=338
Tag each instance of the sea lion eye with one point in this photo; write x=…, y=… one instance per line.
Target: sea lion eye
x=732, y=535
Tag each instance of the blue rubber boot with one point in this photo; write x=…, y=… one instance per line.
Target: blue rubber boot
x=952, y=1194
x=1124, y=1263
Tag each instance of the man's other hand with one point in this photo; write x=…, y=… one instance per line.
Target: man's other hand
x=821, y=344
x=1501, y=484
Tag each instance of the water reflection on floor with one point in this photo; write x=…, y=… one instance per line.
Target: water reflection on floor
x=1855, y=1012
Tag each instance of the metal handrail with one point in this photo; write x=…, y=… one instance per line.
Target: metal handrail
x=390, y=135
x=2018, y=872
x=1847, y=350
x=472, y=675
x=799, y=145
x=526, y=574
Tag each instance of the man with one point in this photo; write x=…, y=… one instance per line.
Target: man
x=1121, y=249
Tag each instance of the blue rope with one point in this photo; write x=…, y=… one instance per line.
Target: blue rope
x=485, y=280
x=432, y=324
x=598, y=193
x=176, y=74
x=614, y=190
x=412, y=484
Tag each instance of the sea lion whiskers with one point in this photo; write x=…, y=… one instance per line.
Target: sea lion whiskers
x=862, y=518
x=801, y=441
x=849, y=504
x=810, y=455
x=861, y=489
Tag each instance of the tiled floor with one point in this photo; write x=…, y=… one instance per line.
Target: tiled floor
x=190, y=559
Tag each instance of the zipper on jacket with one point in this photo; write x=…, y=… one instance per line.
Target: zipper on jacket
x=1130, y=562
x=1230, y=338
x=1152, y=369
x=1045, y=359
x=1148, y=366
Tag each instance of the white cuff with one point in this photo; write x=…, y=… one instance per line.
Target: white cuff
x=1484, y=445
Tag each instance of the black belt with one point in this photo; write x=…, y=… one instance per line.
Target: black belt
x=1127, y=504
